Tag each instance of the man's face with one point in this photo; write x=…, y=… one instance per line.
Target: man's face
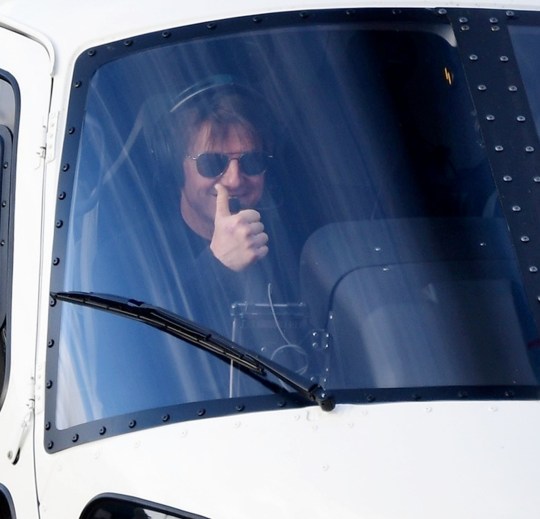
x=199, y=195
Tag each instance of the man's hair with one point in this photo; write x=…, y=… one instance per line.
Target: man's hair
x=221, y=108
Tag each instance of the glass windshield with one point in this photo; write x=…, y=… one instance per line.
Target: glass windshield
x=318, y=194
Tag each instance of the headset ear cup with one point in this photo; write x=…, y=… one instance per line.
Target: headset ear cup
x=166, y=166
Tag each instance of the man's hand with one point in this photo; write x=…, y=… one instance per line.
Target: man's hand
x=239, y=239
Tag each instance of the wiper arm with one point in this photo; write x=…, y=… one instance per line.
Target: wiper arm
x=201, y=337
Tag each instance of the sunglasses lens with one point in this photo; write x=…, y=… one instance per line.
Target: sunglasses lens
x=254, y=163
x=212, y=165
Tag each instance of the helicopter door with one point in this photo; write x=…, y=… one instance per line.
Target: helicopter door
x=25, y=89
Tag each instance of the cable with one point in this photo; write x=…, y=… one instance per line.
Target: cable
x=269, y=292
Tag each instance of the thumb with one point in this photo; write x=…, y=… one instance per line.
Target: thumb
x=222, y=201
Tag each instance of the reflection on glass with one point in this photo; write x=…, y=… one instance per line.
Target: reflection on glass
x=320, y=196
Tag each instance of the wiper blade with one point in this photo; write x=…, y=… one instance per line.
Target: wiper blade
x=200, y=337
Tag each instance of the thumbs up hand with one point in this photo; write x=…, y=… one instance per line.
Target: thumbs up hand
x=239, y=239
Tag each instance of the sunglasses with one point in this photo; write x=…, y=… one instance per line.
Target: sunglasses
x=212, y=165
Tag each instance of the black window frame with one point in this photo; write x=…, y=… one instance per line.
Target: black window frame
x=8, y=136
x=6, y=504
x=129, y=503
x=512, y=144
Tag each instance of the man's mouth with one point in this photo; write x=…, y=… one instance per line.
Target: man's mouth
x=234, y=204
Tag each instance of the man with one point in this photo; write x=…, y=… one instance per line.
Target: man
x=236, y=248
x=226, y=151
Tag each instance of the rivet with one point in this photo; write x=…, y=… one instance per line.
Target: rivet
x=473, y=57
x=49, y=384
x=52, y=301
x=62, y=195
x=529, y=149
x=48, y=426
x=50, y=445
x=533, y=269
x=507, y=178
x=512, y=88
x=490, y=117
x=50, y=343
x=201, y=412
x=5, y=165
x=499, y=148
x=71, y=131
x=132, y=423
x=102, y=430
x=128, y=43
x=4, y=203
x=510, y=14
x=166, y=34
x=257, y=19
x=509, y=394
x=305, y=15
x=462, y=19
x=482, y=88
x=91, y=52
x=65, y=167
x=77, y=84
x=75, y=438
x=525, y=239
x=2, y=243
x=495, y=28
x=56, y=261
x=504, y=59
x=536, y=179
x=211, y=26
x=240, y=407
x=370, y=398
x=516, y=208
x=464, y=28
x=281, y=403
x=521, y=118
x=59, y=224
x=493, y=20
x=165, y=418
x=441, y=11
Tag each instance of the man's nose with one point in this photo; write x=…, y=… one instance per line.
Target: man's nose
x=232, y=178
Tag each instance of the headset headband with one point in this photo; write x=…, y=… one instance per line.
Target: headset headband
x=211, y=83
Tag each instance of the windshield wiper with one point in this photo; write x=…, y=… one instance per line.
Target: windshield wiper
x=201, y=337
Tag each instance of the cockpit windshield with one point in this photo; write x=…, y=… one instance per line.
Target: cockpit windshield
x=318, y=194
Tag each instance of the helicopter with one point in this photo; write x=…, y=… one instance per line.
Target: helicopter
x=378, y=356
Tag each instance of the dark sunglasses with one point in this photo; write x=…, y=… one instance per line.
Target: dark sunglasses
x=212, y=165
